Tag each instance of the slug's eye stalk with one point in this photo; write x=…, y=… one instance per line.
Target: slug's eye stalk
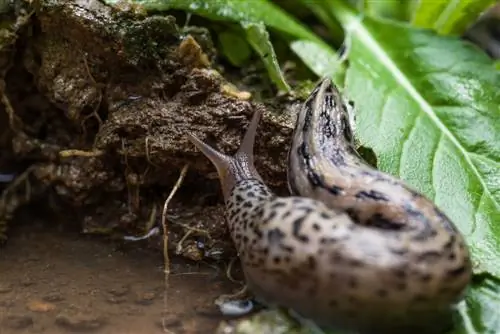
x=237, y=168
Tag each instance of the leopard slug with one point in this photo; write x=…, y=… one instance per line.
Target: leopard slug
x=353, y=247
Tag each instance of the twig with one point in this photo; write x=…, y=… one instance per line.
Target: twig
x=166, y=258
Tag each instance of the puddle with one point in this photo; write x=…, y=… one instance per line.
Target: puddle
x=59, y=282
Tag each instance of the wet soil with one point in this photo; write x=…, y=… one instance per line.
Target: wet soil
x=54, y=281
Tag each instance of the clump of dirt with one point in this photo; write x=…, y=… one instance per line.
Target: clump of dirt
x=96, y=104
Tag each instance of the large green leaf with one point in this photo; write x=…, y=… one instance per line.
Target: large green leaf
x=449, y=16
x=429, y=107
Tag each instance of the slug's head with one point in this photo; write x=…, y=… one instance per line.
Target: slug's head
x=330, y=111
x=237, y=168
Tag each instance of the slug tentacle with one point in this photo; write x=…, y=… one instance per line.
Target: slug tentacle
x=231, y=170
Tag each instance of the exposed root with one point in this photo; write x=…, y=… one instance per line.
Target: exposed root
x=80, y=153
x=14, y=121
x=99, y=88
x=166, y=258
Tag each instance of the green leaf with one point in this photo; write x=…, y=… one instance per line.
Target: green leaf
x=236, y=11
x=234, y=47
x=449, y=17
x=259, y=39
x=479, y=311
x=428, y=106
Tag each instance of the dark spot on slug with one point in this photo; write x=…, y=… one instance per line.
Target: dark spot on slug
x=271, y=216
x=247, y=204
x=296, y=227
x=288, y=249
x=277, y=205
x=324, y=215
x=311, y=261
x=457, y=271
x=382, y=293
x=335, y=190
x=399, y=251
x=286, y=214
x=308, y=105
x=373, y=195
x=238, y=198
x=355, y=263
x=351, y=212
x=352, y=282
x=327, y=240
x=449, y=244
x=258, y=233
x=316, y=227
x=377, y=220
x=275, y=236
x=425, y=277
x=276, y=260
x=346, y=128
x=429, y=256
x=400, y=273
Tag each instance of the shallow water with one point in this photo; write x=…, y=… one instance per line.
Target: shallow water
x=60, y=282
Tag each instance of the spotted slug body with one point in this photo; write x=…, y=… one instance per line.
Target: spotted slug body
x=353, y=248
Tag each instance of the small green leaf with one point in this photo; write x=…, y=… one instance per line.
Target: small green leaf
x=258, y=38
x=449, y=17
x=234, y=47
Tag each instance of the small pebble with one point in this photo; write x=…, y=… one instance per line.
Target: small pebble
x=146, y=298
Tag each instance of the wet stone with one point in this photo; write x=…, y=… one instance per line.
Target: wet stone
x=145, y=298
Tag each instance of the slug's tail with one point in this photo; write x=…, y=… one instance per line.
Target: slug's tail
x=238, y=167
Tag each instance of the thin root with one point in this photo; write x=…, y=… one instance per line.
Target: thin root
x=166, y=258
x=80, y=153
